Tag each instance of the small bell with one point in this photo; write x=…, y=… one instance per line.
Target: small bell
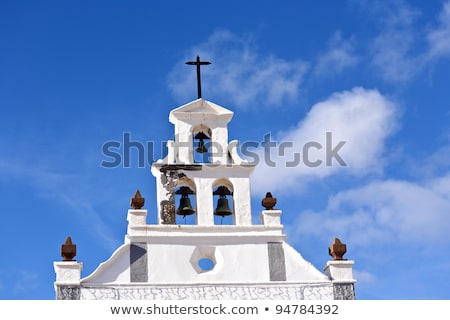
x=201, y=147
x=201, y=144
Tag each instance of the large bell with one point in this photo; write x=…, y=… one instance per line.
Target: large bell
x=185, y=207
x=222, y=208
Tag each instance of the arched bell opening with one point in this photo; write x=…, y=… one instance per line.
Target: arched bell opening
x=202, y=144
x=185, y=212
x=223, y=199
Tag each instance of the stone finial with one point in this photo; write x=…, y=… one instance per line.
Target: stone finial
x=337, y=249
x=269, y=202
x=137, y=202
x=68, y=250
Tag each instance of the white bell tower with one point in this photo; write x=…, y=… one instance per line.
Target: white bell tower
x=219, y=169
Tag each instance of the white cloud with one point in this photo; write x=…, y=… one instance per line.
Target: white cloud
x=385, y=212
x=439, y=37
x=338, y=56
x=362, y=119
x=239, y=74
x=441, y=186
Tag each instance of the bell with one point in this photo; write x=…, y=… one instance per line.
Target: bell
x=201, y=144
x=222, y=208
x=185, y=207
x=201, y=147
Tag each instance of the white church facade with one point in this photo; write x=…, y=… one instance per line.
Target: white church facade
x=204, y=259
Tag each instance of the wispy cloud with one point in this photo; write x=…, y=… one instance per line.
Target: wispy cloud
x=431, y=165
x=241, y=75
x=18, y=282
x=361, y=118
x=439, y=36
x=394, y=212
x=69, y=190
x=393, y=49
x=339, y=55
x=26, y=281
x=364, y=277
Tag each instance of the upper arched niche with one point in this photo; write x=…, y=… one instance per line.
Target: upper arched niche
x=202, y=144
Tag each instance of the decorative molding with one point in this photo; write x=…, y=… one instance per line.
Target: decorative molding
x=344, y=291
x=68, y=292
x=212, y=292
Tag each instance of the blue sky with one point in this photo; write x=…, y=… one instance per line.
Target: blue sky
x=376, y=74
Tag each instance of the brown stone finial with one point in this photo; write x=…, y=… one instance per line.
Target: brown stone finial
x=337, y=249
x=68, y=250
x=269, y=202
x=137, y=202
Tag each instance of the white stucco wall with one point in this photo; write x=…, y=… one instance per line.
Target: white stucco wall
x=115, y=270
x=234, y=263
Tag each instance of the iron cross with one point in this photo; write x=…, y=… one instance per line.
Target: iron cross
x=198, y=63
